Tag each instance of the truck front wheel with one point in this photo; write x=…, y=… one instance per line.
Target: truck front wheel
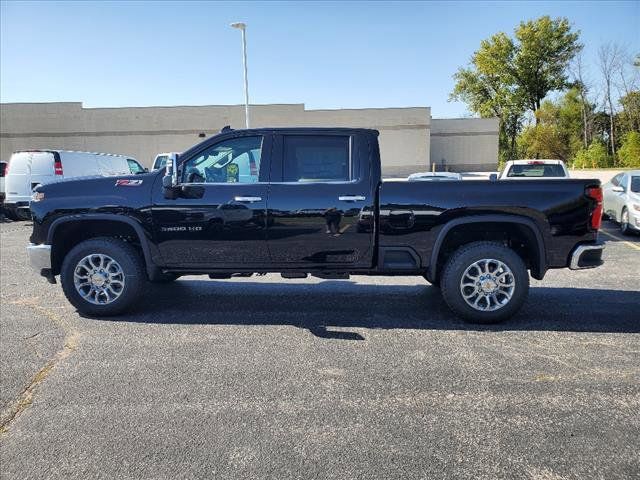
x=485, y=282
x=102, y=276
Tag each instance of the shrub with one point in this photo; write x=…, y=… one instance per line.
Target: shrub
x=629, y=152
x=595, y=156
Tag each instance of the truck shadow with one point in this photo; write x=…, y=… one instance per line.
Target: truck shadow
x=327, y=305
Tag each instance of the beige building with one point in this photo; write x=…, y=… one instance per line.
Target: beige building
x=410, y=140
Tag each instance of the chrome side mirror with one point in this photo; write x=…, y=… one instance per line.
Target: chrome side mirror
x=170, y=184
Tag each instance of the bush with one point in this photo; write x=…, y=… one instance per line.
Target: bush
x=595, y=156
x=629, y=153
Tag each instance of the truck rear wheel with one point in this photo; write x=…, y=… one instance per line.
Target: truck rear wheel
x=485, y=282
x=102, y=276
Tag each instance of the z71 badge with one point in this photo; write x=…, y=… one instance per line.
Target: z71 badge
x=128, y=183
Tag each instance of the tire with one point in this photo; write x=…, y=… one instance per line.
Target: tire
x=128, y=262
x=624, y=222
x=11, y=213
x=494, y=307
x=164, y=278
x=22, y=214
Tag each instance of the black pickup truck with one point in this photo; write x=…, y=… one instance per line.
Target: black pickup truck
x=308, y=201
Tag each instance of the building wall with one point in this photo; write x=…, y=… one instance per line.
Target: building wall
x=465, y=144
x=405, y=133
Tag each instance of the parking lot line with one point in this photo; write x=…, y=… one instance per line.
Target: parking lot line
x=615, y=237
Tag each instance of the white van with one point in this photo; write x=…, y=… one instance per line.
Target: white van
x=28, y=169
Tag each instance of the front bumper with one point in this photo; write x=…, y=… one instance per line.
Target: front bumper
x=39, y=257
x=586, y=255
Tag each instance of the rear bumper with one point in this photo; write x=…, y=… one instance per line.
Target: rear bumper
x=39, y=257
x=586, y=255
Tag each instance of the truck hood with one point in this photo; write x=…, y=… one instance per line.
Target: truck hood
x=97, y=191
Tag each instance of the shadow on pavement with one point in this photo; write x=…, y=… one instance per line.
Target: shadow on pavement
x=344, y=304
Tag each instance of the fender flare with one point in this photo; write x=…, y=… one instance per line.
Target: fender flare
x=144, y=242
x=537, y=272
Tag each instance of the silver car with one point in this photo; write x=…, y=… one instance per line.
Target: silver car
x=621, y=199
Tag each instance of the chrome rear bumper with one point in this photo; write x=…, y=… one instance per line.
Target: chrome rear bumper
x=586, y=256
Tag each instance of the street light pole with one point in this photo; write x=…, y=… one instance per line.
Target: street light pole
x=243, y=27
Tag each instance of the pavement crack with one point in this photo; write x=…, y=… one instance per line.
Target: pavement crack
x=25, y=399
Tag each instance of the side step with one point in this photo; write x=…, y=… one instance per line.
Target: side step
x=323, y=275
x=293, y=275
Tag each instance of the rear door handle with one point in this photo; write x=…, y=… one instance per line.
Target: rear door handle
x=248, y=199
x=352, y=198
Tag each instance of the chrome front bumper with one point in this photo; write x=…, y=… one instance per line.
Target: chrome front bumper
x=39, y=257
x=586, y=256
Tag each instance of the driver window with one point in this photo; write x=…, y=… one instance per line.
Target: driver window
x=236, y=160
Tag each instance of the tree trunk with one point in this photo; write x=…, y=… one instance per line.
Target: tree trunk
x=611, y=126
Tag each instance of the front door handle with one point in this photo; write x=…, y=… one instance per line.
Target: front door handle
x=248, y=199
x=352, y=198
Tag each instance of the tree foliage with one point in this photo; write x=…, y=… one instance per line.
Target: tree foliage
x=630, y=150
x=512, y=77
x=595, y=156
x=508, y=76
x=557, y=134
x=545, y=48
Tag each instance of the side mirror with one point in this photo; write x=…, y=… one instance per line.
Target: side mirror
x=170, y=186
x=493, y=177
x=618, y=189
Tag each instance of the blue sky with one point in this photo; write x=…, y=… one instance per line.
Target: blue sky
x=326, y=55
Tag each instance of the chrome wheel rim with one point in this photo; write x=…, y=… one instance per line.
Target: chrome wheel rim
x=99, y=279
x=624, y=221
x=487, y=285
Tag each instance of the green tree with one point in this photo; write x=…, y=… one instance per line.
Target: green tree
x=629, y=152
x=488, y=90
x=630, y=115
x=595, y=156
x=545, y=48
x=508, y=76
x=557, y=134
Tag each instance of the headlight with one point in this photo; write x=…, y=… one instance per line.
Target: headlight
x=636, y=207
x=37, y=196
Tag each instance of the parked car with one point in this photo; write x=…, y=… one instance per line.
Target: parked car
x=161, y=160
x=298, y=211
x=135, y=167
x=3, y=169
x=433, y=176
x=531, y=169
x=28, y=169
x=622, y=200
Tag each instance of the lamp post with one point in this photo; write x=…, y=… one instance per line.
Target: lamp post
x=243, y=27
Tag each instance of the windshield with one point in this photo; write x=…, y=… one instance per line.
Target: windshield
x=134, y=166
x=635, y=184
x=161, y=162
x=536, y=170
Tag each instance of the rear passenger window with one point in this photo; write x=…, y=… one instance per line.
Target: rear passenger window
x=316, y=158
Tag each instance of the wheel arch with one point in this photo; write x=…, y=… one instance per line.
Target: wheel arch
x=92, y=226
x=538, y=263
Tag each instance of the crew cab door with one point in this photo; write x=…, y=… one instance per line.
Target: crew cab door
x=321, y=201
x=219, y=218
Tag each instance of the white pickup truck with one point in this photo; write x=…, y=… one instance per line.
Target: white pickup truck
x=532, y=169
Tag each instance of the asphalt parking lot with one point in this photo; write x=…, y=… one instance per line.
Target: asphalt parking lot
x=366, y=378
